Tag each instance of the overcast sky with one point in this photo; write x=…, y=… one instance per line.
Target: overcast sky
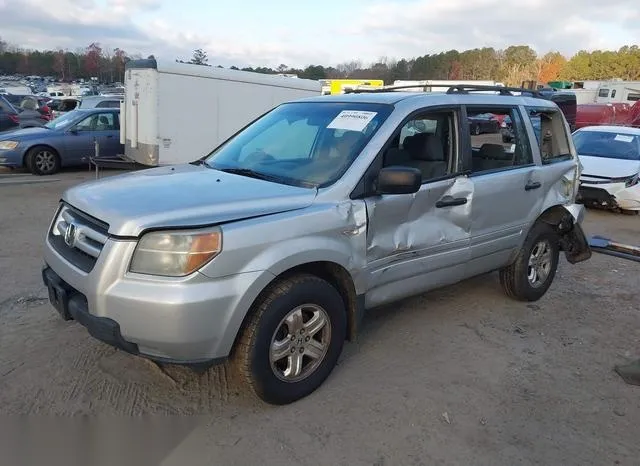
x=303, y=32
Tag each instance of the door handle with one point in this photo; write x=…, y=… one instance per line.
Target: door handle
x=532, y=185
x=449, y=201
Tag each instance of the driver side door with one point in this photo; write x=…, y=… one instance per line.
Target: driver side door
x=417, y=242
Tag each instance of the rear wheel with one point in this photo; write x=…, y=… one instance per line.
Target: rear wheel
x=533, y=271
x=42, y=160
x=293, y=340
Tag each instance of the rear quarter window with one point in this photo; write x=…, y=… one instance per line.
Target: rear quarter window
x=551, y=135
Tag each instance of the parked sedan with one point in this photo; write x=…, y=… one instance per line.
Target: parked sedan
x=483, y=123
x=610, y=157
x=66, y=141
x=8, y=115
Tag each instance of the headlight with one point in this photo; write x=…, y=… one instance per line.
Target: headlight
x=8, y=145
x=632, y=181
x=175, y=253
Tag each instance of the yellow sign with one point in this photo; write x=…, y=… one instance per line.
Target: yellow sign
x=338, y=86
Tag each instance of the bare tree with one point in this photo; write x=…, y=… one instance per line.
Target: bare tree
x=349, y=68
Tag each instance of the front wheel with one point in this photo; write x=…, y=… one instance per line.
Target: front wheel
x=530, y=276
x=293, y=339
x=43, y=161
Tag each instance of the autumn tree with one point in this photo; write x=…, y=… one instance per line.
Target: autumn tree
x=60, y=63
x=92, y=58
x=455, y=70
x=550, y=67
x=120, y=60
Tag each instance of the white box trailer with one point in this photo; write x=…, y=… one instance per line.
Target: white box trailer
x=177, y=112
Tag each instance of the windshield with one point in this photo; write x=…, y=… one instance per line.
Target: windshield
x=63, y=121
x=607, y=144
x=309, y=144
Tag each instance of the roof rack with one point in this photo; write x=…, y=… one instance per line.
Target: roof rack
x=455, y=89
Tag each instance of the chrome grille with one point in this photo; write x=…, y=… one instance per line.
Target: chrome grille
x=78, y=237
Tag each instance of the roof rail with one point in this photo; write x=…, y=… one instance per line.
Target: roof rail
x=455, y=89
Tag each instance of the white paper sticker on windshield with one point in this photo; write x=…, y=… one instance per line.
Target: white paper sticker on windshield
x=623, y=138
x=352, y=120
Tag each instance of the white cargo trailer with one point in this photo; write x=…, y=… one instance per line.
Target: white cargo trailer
x=177, y=112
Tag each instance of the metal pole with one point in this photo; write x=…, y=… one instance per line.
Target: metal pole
x=97, y=152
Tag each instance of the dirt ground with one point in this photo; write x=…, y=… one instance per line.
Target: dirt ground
x=460, y=376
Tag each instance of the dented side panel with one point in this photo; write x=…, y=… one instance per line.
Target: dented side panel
x=412, y=245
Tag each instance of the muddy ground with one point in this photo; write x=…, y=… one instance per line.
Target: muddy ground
x=460, y=376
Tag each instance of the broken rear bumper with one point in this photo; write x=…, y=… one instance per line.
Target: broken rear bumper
x=573, y=240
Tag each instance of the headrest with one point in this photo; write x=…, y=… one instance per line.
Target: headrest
x=495, y=152
x=424, y=146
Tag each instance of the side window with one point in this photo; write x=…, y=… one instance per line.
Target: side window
x=98, y=122
x=106, y=122
x=108, y=104
x=551, y=135
x=603, y=93
x=498, y=139
x=633, y=96
x=613, y=93
x=87, y=124
x=277, y=141
x=427, y=142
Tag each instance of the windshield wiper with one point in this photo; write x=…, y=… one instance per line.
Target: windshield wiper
x=251, y=174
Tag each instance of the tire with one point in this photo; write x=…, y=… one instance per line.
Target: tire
x=254, y=359
x=27, y=163
x=516, y=279
x=43, y=160
x=628, y=212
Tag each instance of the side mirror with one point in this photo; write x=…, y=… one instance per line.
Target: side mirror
x=73, y=131
x=399, y=180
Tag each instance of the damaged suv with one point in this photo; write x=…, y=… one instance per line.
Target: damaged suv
x=268, y=251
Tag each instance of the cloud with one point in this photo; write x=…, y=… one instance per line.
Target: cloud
x=422, y=26
x=392, y=28
x=69, y=23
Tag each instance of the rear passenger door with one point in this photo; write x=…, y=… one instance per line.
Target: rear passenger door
x=419, y=241
x=108, y=133
x=507, y=194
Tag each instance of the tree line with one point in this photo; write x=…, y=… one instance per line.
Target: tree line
x=511, y=65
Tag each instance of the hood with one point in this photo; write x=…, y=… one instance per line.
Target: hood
x=181, y=196
x=25, y=133
x=610, y=168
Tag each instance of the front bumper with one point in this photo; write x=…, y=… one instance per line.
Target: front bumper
x=610, y=195
x=11, y=158
x=187, y=321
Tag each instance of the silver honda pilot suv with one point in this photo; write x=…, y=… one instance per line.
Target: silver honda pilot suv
x=268, y=251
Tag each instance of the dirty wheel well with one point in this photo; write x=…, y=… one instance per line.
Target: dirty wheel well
x=559, y=218
x=340, y=278
x=331, y=272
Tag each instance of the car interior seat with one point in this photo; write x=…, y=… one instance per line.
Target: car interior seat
x=427, y=154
